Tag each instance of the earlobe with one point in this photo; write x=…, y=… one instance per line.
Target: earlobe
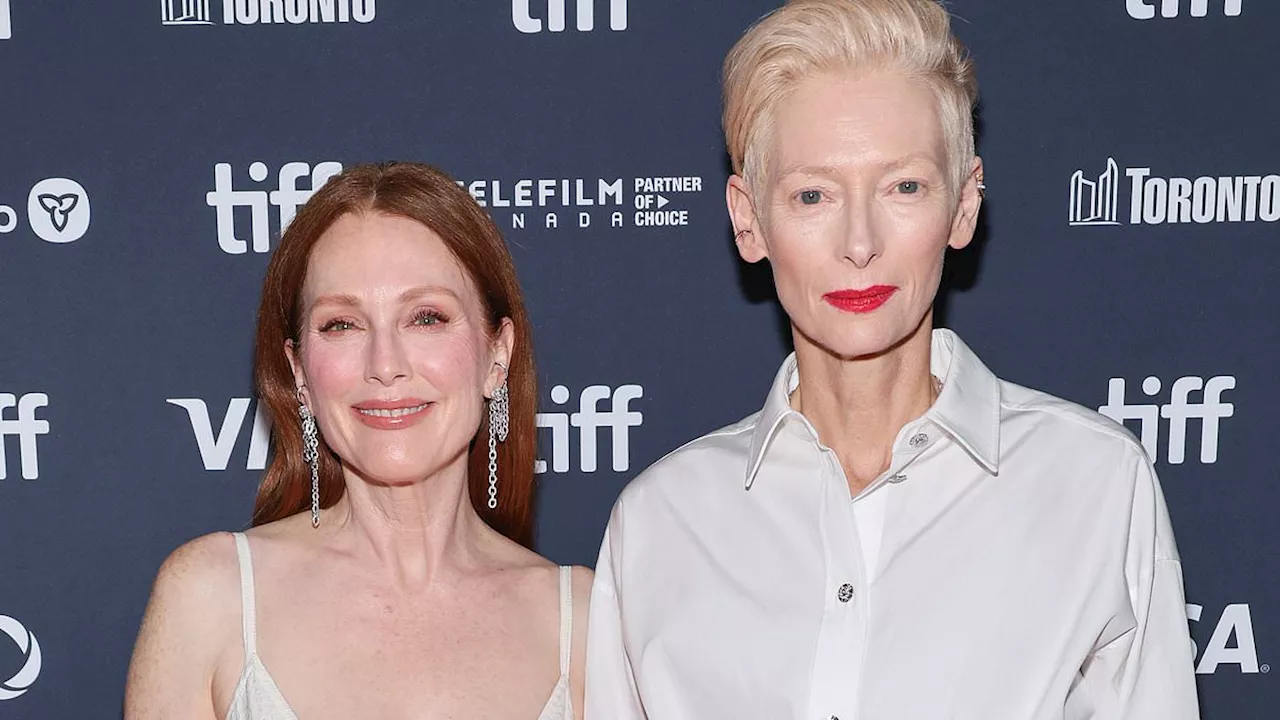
x=966, y=218
x=749, y=246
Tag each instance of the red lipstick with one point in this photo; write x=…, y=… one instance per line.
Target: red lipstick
x=391, y=414
x=860, y=301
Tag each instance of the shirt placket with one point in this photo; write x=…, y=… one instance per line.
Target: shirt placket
x=842, y=636
x=837, y=666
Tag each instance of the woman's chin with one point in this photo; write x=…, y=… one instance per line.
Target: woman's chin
x=384, y=474
x=864, y=342
x=867, y=337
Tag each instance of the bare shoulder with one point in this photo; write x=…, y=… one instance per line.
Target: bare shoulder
x=283, y=542
x=189, y=622
x=198, y=579
x=538, y=576
x=509, y=556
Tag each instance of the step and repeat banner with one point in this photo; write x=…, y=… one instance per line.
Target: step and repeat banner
x=151, y=151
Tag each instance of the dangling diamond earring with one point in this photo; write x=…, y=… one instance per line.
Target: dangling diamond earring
x=311, y=454
x=499, y=425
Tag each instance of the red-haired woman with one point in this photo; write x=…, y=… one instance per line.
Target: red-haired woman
x=387, y=573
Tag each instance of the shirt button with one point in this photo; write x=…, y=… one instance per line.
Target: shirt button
x=899, y=477
x=918, y=440
x=845, y=593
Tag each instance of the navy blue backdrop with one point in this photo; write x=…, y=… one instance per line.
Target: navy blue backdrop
x=150, y=151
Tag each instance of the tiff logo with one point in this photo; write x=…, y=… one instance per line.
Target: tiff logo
x=1177, y=411
x=1096, y=203
x=26, y=427
x=619, y=418
x=6, y=25
x=1146, y=9
x=287, y=197
x=185, y=12
x=525, y=22
x=216, y=449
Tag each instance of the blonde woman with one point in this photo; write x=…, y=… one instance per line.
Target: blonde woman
x=897, y=533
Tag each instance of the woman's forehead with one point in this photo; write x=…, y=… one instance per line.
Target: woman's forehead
x=833, y=119
x=361, y=253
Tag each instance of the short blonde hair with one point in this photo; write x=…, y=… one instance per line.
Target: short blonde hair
x=808, y=37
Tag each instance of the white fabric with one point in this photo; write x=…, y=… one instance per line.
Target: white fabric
x=258, y=698
x=1026, y=570
x=868, y=509
x=560, y=705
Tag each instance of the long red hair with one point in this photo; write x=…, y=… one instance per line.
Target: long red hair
x=422, y=193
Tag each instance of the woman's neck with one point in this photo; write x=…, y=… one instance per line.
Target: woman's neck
x=858, y=406
x=416, y=533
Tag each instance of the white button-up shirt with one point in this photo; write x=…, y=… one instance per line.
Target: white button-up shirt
x=1015, y=562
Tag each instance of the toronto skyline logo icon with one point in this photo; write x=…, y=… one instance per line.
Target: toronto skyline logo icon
x=1095, y=202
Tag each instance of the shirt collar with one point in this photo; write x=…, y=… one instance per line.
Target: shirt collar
x=968, y=409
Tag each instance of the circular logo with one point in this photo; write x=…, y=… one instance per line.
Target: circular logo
x=18, y=684
x=58, y=209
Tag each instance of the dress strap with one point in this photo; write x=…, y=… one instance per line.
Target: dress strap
x=248, y=605
x=566, y=618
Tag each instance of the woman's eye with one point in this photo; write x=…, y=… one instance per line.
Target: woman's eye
x=811, y=197
x=909, y=187
x=428, y=317
x=336, y=326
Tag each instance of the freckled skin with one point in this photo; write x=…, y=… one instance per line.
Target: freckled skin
x=403, y=602
x=432, y=346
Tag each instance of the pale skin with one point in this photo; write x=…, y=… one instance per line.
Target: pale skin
x=857, y=193
x=403, y=604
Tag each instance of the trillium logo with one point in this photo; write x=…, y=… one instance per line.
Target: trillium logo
x=58, y=209
x=23, y=679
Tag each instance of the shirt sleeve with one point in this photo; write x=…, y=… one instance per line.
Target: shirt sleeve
x=1148, y=672
x=610, y=683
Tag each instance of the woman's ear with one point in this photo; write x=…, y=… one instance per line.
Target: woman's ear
x=293, y=354
x=746, y=225
x=502, y=350
x=965, y=221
